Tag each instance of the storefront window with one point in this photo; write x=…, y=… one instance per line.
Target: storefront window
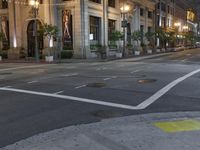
x=111, y=28
x=95, y=28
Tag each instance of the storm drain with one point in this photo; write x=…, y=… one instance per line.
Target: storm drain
x=96, y=85
x=106, y=114
x=145, y=81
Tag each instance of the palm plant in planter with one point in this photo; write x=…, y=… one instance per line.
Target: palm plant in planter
x=162, y=36
x=150, y=36
x=50, y=32
x=137, y=37
x=115, y=37
x=1, y=52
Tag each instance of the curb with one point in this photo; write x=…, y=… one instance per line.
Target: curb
x=63, y=133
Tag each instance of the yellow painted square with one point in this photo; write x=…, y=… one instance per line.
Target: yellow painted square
x=179, y=125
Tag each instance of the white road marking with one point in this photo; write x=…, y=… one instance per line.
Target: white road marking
x=107, y=79
x=70, y=75
x=135, y=71
x=72, y=98
x=165, y=89
x=78, y=87
x=184, y=60
x=24, y=67
x=59, y=92
x=31, y=82
x=141, y=106
x=8, y=86
x=114, y=77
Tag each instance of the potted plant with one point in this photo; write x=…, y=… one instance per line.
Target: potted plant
x=137, y=37
x=1, y=51
x=50, y=32
x=162, y=36
x=150, y=36
x=101, y=50
x=115, y=42
x=130, y=49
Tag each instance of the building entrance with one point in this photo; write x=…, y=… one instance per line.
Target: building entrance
x=31, y=39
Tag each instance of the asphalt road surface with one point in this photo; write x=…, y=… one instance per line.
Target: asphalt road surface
x=36, y=98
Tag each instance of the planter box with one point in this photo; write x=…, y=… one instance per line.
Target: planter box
x=157, y=50
x=93, y=55
x=49, y=58
x=149, y=51
x=118, y=55
x=137, y=53
x=163, y=50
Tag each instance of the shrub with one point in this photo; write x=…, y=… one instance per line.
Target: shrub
x=66, y=54
x=4, y=54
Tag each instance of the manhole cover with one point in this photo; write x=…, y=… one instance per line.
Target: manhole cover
x=96, y=85
x=106, y=114
x=5, y=73
x=144, y=81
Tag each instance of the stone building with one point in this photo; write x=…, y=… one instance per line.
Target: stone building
x=81, y=23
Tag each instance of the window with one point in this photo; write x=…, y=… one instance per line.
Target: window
x=150, y=16
x=163, y=7
x=141, y=12
x=111, y=27
x=149, y=29
x=4, y=4
x=96, y=1
x=142, y=28
x=111, y=3
x=95, y=28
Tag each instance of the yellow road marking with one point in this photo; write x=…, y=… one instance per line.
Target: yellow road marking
x=179, y=125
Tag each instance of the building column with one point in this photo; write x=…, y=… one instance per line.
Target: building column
x=85, y=44
x=105, y=25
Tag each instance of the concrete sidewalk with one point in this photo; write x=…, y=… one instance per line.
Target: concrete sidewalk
x=135, y=58
x=142, y=132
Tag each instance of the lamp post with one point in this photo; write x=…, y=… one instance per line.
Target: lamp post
x=124, y=10
x=35, y=8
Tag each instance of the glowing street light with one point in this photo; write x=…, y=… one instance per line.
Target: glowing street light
x=177, y=24
x=185, y=27
x=124, y=10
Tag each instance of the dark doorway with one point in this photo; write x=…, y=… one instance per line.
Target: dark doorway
x=31, y=39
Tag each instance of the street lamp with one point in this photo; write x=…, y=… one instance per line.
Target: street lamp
x=124, y=10
x=35, y=8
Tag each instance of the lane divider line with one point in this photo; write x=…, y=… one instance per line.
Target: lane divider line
x=31, y=82
x=58, y=92
x=24, y=67
x=72, y=98
x=165, y=89
x=81, y=86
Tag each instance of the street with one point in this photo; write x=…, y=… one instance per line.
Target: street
x=36, y=98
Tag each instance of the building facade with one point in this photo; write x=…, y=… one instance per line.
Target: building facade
x=85, y=23
x=81, y=23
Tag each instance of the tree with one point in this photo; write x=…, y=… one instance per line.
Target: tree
x=49, y=31
x=151, y=38
x=162, y=36
x=137, y=36
x=115, y=36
